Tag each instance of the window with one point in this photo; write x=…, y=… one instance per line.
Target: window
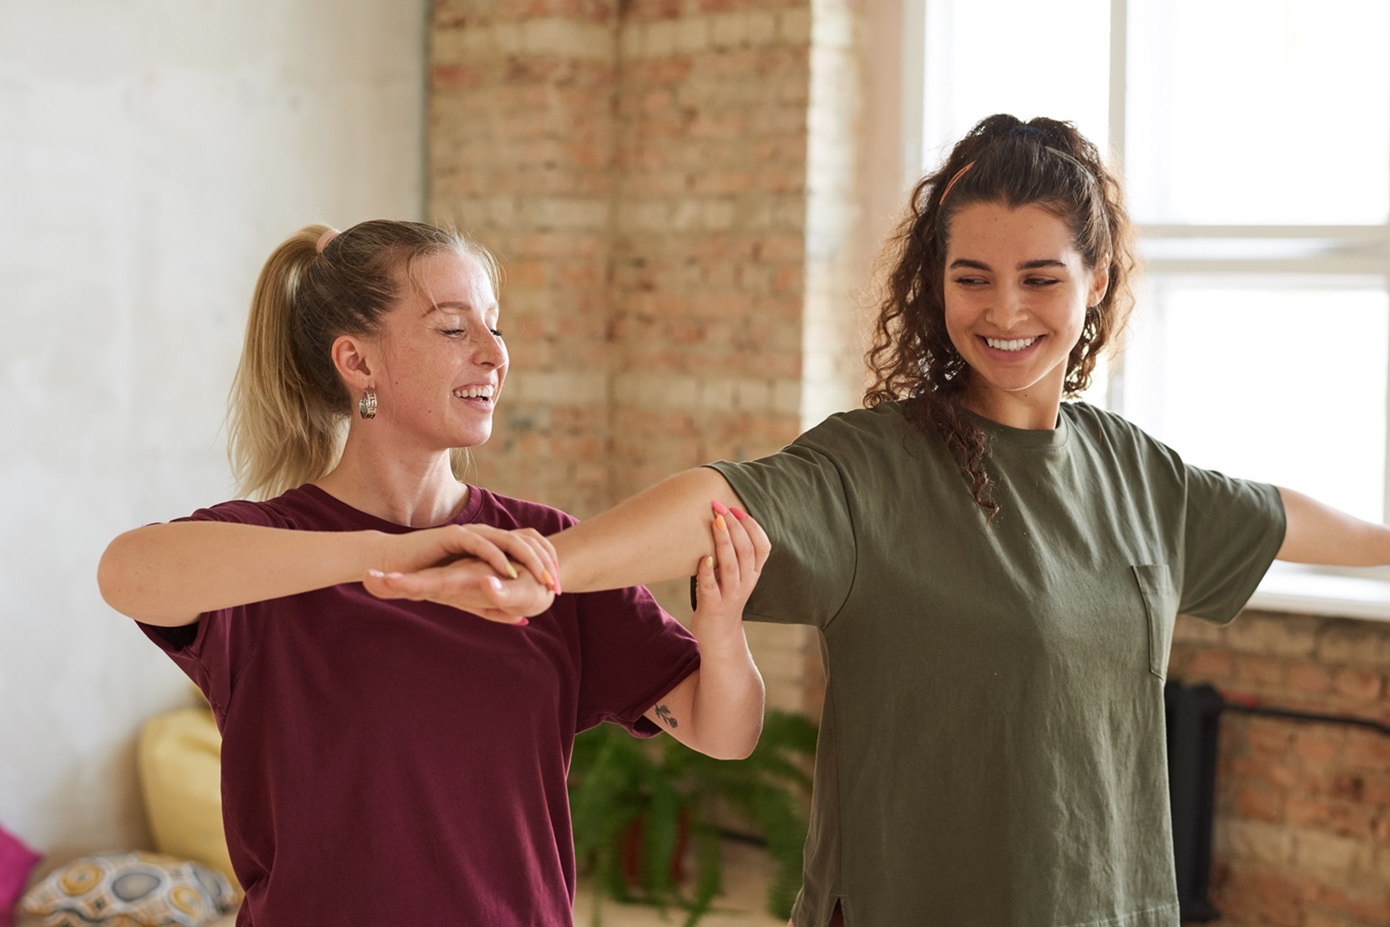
x=1254, y=138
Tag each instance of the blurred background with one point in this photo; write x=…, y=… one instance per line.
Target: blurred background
x=687, y=197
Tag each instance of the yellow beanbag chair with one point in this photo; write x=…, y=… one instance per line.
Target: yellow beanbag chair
x=180, y=762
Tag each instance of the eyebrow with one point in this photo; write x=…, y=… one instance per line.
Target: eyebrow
x=1026, y=265
x=460, y=304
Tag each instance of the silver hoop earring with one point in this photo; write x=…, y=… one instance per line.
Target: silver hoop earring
x=367, y=404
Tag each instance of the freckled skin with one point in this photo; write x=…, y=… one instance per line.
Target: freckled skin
x=441, y=338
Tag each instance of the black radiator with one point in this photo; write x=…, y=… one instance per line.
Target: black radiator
x=1193, y=714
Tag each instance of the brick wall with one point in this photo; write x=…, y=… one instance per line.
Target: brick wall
x=670, y=187
x=1302, y=831
x=521, y=145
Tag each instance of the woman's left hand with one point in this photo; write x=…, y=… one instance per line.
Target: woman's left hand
x=724, y=582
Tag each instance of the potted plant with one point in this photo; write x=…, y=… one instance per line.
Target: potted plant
x=667, y=802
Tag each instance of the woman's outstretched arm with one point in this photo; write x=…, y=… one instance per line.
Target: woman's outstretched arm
x=1318, y=533
x=170, y=574
x=658, y=534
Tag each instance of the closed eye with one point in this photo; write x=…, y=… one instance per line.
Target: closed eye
x=457, y=332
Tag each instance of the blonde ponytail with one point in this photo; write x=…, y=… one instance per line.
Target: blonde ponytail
x=280, y=434
x=288, y=407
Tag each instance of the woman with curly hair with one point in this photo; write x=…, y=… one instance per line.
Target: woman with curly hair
x=995, y=566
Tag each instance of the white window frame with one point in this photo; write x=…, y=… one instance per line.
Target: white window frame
x=898, y=31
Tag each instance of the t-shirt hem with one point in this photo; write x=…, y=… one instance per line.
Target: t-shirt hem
x=1165, y=915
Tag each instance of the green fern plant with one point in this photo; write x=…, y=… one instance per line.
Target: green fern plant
x=670, y=799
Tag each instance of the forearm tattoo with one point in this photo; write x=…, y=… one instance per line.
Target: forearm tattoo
x=665, y=715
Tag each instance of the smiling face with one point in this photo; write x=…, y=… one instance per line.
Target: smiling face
x=439, y=359
x=1016, y=291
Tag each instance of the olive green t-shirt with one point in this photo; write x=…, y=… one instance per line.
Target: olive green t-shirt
x=992, y=748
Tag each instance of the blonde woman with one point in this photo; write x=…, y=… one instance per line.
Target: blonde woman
x=393, y=762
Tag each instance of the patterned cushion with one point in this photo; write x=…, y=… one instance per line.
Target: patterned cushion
x=129, y=890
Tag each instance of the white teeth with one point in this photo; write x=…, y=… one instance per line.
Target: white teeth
x=474, y=392
x=1016, y=344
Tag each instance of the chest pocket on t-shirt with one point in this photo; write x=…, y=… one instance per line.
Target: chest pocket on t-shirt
x=1160, y=608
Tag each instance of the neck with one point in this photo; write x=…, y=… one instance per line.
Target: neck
x=421, y=492
x=1034, y=409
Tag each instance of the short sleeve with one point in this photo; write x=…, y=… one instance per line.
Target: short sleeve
x=798, y=495
x=1234, y=529
x=632, y=653
x=205, y=651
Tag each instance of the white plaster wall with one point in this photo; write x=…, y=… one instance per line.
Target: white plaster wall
x=151, y=155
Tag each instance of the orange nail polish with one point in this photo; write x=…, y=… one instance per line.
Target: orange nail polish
x=719, y=523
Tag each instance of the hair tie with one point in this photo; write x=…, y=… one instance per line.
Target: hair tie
x=324, y=239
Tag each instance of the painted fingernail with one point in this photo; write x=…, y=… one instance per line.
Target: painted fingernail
x=739, y=513
x=494, y=583
x=375, y=574
x=394, y=575
x=709, y=562
x=547, y=578
x=522, y=622
x=718, y=506
x=719, y=523
x=511, y=571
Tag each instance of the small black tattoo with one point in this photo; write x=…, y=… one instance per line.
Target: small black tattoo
x=664, y=714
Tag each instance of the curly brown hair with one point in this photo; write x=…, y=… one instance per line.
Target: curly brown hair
x=1043, y=162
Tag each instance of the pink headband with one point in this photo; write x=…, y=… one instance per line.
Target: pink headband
x=324, y=239
x=952, y=182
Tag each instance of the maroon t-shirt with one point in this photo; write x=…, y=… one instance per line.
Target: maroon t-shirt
x=396, y=762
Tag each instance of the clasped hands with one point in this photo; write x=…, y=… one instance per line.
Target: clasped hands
x=503, y=576
x=509, y=576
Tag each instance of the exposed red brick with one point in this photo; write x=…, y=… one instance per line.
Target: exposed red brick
x=1259, y=802
x=1310, y=678
x=1361, y=685
x=1209, y=665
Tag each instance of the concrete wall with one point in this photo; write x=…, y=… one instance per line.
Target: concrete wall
x=151, y=155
